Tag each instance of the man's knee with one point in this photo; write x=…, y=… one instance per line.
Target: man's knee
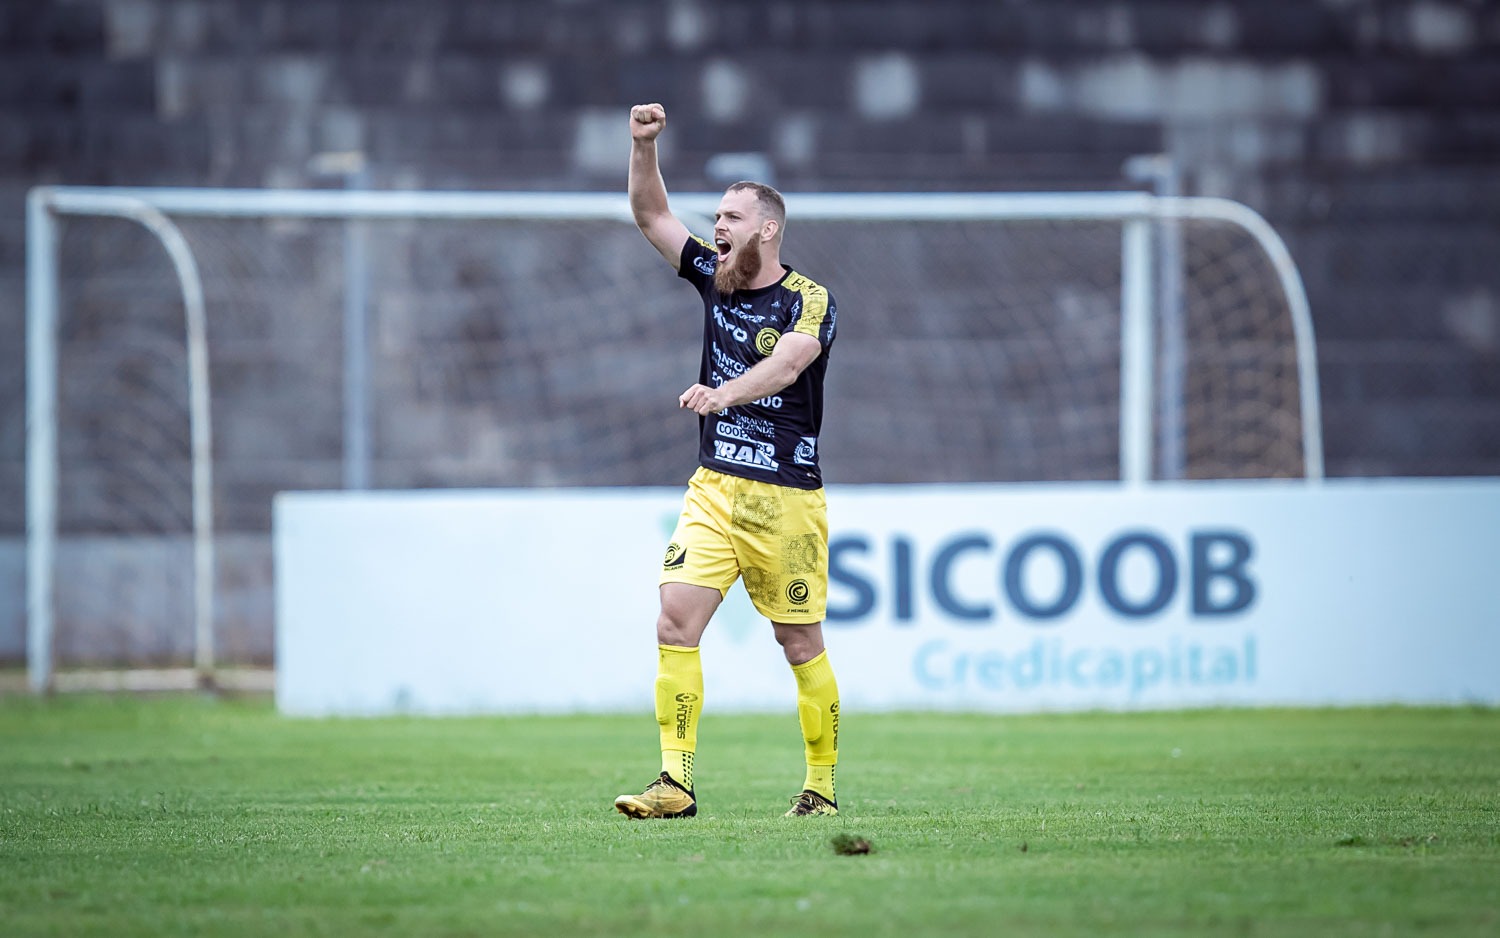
x=672, y=629
x=801, y=643
x=685, y=611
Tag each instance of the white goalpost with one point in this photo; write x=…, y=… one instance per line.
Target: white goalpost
x=1047, y=306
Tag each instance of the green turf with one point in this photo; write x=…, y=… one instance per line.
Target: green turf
x=185, y=815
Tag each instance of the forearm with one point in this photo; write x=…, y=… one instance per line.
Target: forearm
x=765, y=378
x=794, y=352
x=645, y=187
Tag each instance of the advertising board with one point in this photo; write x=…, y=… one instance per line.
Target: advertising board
x=990, y=598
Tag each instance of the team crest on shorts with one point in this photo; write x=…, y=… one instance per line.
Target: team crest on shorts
x=797, y=592
x=676, y=556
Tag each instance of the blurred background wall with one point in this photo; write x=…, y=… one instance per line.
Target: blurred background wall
x=1368, y=134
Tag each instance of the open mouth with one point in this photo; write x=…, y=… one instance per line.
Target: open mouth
x=722, y=246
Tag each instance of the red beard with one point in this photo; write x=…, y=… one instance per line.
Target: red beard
x=737, y=274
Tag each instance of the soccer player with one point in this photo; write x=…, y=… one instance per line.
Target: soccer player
x=754, y=508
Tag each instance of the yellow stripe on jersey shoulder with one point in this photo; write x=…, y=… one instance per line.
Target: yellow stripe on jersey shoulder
x=799, y=284
x=702, y=242
x=814, y=302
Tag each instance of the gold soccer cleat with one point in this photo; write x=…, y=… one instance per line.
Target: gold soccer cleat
x=809, y=803
x=663, y=798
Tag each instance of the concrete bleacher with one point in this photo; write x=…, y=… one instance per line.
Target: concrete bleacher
x=1368, y=134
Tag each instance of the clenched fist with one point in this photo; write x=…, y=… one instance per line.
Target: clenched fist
x=703, y=400
x=647, y=121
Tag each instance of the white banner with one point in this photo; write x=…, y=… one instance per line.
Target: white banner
x=997, y=598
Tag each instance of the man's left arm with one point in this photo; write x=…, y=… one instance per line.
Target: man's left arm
x=794, y=352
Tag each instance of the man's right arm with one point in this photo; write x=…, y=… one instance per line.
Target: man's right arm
x=648, y=193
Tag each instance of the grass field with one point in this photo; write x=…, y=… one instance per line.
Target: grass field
x=193, y=816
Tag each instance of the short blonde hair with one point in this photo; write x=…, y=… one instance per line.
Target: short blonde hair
x=772, y=205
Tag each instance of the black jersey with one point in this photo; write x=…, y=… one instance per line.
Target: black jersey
x=774, y=439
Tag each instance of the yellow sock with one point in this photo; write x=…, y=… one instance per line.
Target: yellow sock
x=818, y=712
x=679, y=698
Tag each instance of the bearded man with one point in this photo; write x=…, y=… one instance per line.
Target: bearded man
x=754, y=509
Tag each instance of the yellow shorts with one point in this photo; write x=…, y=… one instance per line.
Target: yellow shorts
x=773, y=536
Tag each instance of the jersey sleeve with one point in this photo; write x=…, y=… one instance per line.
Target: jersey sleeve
x=816, y=312
x=698, y=262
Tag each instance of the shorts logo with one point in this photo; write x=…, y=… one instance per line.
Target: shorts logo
x=676, y=556
x=686, y=697
x=797, y=592
x=765, y=340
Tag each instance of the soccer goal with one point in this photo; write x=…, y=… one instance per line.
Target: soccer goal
x=191, y=352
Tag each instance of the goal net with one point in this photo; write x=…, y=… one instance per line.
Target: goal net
x=388, y=341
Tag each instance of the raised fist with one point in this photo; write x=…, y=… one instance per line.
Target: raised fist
x=646, y=121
